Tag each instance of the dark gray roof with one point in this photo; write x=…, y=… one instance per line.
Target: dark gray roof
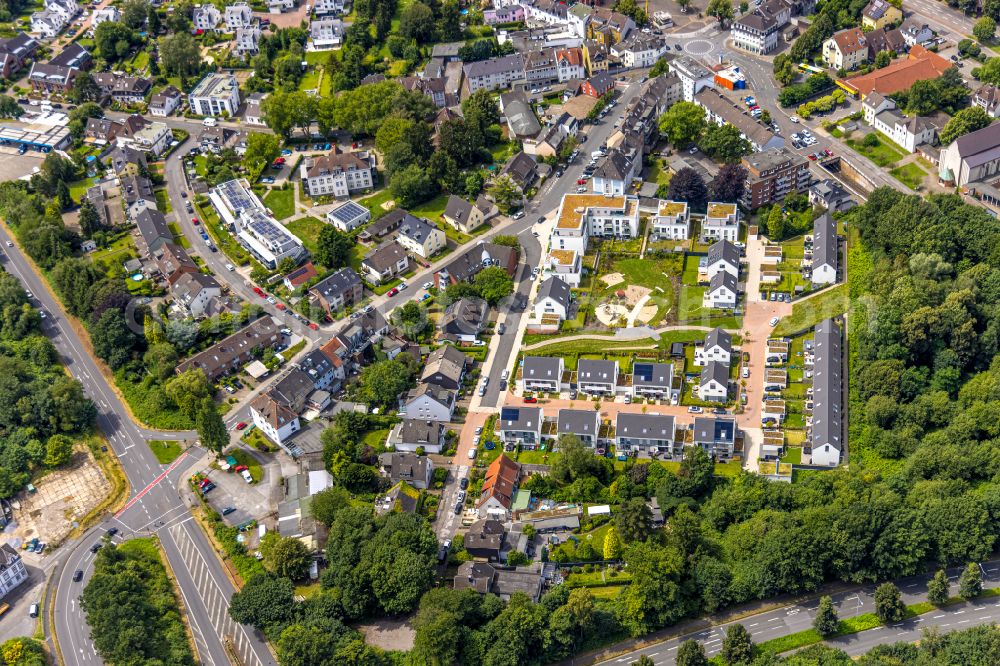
x=653, y=374
x=723, y=250
x=717, y=371
x=830, y=192
x=458, y=209
x=465, y=316
x=338, y=283
x=385, y=256
x=485, y=535
x=827, y=386
x=718, y=337
x=542, y=368
x=722, y=279
x=556, y=289
x=578, y=422
x=405, y=466
x=825, y=243
x=419, y=431
x=315, y=364
x=416, y=228
x=446, y=360
x=644, y=426
x=613, y=166
x=520, y=418
x=509, y=63
x=712, y=430
x=596, y=370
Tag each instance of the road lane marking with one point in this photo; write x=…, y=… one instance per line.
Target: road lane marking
x=163, y=475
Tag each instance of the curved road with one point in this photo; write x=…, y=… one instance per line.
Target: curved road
x=155, y=507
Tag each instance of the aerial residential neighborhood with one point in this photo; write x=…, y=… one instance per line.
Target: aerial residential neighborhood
x=499, y=333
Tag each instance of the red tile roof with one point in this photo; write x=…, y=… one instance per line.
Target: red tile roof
x=920, y=65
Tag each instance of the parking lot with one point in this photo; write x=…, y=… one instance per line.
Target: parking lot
x=250, y=501
x=24, y=165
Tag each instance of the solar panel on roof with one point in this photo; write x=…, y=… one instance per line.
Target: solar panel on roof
x=510, y=414
x=348, y=211
x=643, y=371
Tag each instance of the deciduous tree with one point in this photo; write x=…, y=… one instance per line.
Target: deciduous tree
x=889, y=605
x=682, y=124
x=737, y=646
x=970, y=583
x=938, y=591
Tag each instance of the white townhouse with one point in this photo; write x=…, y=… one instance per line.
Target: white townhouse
x=672, y=221
x=723, y=257
x=569, y=64
x=596, y=376
x=614, y=173
x=275, y=419
x=105, y=15
x=717, y=348
x=826, y=250
x=584, y=423
x=639, y=50
x=553, y=299
x=541, y=373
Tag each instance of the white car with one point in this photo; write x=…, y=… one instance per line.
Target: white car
x=210, y=122
x=581, y=189
x=230, y=267
x=428, y=285
x=518, y=215
x=795, y=119
x=479, y=430
x=746, y=372
x=773, y=322
x=246, y=476
x=10, y=244
x=472, y=454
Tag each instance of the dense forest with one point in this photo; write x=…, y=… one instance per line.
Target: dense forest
x=131, y=608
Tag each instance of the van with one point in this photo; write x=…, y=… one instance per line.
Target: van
x=33, y=610
x=505, y=374
x=472, y=454
x=210, y=122
x=596, y=154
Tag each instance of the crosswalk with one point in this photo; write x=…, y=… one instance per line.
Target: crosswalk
x=215, y=601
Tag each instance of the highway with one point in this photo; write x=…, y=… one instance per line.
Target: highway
x=155, y=507
x=799, y=617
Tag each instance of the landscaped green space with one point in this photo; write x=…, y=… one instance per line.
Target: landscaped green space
x=244, y=458
x=118, y=252
x=163, y=201
x=281, y=202
x=179, y=237
x=78, y=188
x=166, y=451
x=884, y=153
x=255, y=438
x=810, y=311
x=375, y=203
x=307, y=229
x=792, y=455
x=910, y=175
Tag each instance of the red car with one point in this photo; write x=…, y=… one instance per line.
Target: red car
x=812, y=156
x=531, y=400
x=204, y=482
x=314, y=327
x=194, y=220
x=240, y=468
x=393, y=292
x=258, y=291
x=828, y=152
x=280, y=306
x=241, y=425
x=280, y=160
x=581, y=181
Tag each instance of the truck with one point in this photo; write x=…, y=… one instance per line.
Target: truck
x=596, y=154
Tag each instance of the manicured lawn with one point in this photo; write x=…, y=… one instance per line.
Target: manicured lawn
x=655, y=173
x=883, y=154
x=376, y=439
x=432, y=210
x=375, y=202
x=281, y=203
x=201, y=165
x=572, y=347
x=178, y=235
x=257, y=440
x=910, y=175
x=809, y=312
x=163, y=202
x=793, y=455
x=307, y=229
x=689, y=275
x=118, y=252
x=166, y=451
x=538, y=457
x=310, y=80
x=78, y=188
x=651, y=273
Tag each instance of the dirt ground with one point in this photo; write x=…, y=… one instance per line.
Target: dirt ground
x=611, y=279
x=286, y=20
x=62, y=497
x=389, y=634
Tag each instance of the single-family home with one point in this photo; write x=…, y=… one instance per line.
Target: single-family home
x=327, y=33
x=248, y=40
x=337, y=291
x=652, y=380
x=238, y=15
x=713, y=386
x=987, y=97
x=650, y=434
x=915, y=31
x=108, y=14
x=484, y=540
x=879, y=14
x=847, y=49
x=553, y=299
x=522, y=169
x=499, y=487
x=584, y=423
x=420, y=237
x=418, y=471
x=276, y=420
x=445, y=368
x=165, y=102
x=723, y=257
x=597, y=85
x=300, y=277
x=715, y=435
x=597, y=376
x=831, y=195
x=385, y=262
x=194, y=292
x=717, y=347
x=463, y=320
x=520, y=425
x=485, y=578
x=613, y=174
x=253, y=114
x=463, y=215
x=205, y=18
x=428, y=403
x=541, y=373
x=722, y=291
x=413, y=434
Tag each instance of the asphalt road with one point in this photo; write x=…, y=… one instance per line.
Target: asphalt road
x=156, y=506
x=799, y=617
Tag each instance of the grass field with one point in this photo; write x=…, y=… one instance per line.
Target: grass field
x=910, y=175
x=165, y=451
x=118, y=252
x=281, y=203
x=78, y=188
x=809, y=312
x=884, y=153
x=307, y=229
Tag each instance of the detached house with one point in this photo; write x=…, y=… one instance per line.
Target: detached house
x=445, y=368
x=413, y=434
x=584, y=423
x=553, y=299
x=596, y=376
x=385, y=262
x=520, y=426
x=248, y=40
x=717, y=348
x=463, y=320
x=541, y=373
x=165, y=102
x=716, y=436
x=418, y=471
x=462, y=215
x=428, y=403
x=340, y=290
x=238, y=15
x=614, y=173
x=847, y=49
x=879, y=14
x=714, y=383
x=499, y=486
x=672, y=221
x=723, y=257
x=15, y=52
x=205, y=18
x=420, y=237
x=722, y=291
x=987, y=97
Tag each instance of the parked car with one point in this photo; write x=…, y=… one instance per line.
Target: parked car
x=531, y=400
x=241, y=425
x=392, y=292
x=694, y=409
x=228, y=510
x=501, y=329
x=112, y=531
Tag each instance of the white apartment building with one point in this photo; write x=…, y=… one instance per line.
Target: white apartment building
x=238, y=16
x=693, y=75
x=722, y=222
x=205, y=18
x=337, y=174
x=672, y=221
x=216, y=94
x=583, y=215
x=12, y=571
